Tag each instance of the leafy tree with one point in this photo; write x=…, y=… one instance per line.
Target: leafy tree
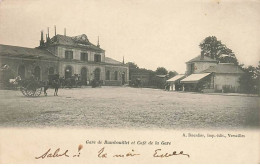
x=132, y=68
x=172, y=74
x=132, y=65
x=249, y=81
x=214, y=49
x=161, y=71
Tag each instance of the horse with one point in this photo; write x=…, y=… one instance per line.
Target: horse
x=15, y=82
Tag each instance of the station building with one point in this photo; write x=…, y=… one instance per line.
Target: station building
x=63, y=55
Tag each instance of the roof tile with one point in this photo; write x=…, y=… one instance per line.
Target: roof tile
x=14, y=51
x=199, y=59
x=225, y=68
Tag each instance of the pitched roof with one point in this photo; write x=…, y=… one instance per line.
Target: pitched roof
x=16, y=51
x=77, y=41
x=200, y=59
x=112, y=61
x=175, y=78
x=225, y=68
x=194, y=78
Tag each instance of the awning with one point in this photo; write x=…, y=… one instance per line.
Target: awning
x=194, y=78
x=175, y=78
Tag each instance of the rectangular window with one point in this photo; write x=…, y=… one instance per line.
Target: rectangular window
x=84, y=56
x=97, y=58
x=68, y=55
x=192, y=68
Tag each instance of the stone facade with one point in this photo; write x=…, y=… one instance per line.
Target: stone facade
x=28, y=67
x=198, y=67
x=66, y=56
x=199, y=64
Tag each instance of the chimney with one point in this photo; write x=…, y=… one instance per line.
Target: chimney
x=48, y=33
x=123, y=59
x=41, y=35
x=55, y=30
x=98, y=42
x=202, y=55
x=41, y=41
x=64, y=31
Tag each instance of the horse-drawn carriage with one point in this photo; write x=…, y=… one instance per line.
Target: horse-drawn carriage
x=32, y=88
x=28, y=86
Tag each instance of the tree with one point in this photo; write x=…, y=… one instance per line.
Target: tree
x=161, y=71
x=172, y=74
x=132, y=68
x=249, y=81
x=132, y=65
x=214, y=49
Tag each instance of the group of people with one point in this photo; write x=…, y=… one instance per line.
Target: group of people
x=167, y=87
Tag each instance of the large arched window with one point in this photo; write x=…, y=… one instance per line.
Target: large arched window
x=21, y=71
x=116, y=75
x=108, y=75
x=97, y=74
x=68, y=72
x=37, y=73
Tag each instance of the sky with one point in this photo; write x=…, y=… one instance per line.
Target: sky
x=150, y=33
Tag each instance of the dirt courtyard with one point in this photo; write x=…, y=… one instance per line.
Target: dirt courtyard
x=124, y=107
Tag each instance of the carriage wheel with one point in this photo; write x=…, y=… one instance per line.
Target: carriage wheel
x=38, y=91
x=23, y=90
x=31, y=89
x=30, y=92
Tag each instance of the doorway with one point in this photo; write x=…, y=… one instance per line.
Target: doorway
x=97, y=74
x=68, y=72
x=83, y=74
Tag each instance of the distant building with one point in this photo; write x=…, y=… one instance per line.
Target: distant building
x=140, y=78
x=66, y=56
x=207, y=75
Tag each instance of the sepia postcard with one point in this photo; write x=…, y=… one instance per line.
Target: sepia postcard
x=129, y=82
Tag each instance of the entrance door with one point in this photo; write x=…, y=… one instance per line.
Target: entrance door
x=68, y=72
x=37, y=73
x=83, y=75
x=97, y=74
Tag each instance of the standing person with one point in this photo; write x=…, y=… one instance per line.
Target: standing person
x=56, y=85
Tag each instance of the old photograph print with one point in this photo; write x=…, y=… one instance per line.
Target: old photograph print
x=130, y=64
